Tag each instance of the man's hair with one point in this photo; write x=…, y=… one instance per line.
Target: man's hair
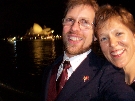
x=73, y=3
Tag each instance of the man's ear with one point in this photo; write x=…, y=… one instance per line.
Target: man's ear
x=95, y=39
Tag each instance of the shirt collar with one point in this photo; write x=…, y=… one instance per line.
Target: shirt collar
x=75, y=61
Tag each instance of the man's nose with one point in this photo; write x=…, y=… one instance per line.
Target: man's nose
x=75, y=26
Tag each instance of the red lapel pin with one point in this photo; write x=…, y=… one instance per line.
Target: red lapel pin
x=85, y=78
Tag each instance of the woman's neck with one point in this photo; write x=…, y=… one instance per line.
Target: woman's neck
x=129, y=79
x=130, y=71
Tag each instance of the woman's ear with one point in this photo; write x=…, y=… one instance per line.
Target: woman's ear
x=134, y=38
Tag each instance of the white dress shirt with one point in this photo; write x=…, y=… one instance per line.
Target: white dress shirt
x=74, y=61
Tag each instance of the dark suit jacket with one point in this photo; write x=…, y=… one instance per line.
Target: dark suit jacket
x=105, y=83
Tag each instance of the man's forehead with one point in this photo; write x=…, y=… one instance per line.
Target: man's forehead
x=81, y=11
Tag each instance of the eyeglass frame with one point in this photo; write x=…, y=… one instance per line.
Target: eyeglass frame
x=82, y=22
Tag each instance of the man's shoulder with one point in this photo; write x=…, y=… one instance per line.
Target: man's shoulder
x=109, y=66
x=96, y=60
x=58, y=59
x=103, y=63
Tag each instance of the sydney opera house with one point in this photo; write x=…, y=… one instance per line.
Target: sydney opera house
x=37, y=32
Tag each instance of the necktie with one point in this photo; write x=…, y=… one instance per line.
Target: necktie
x=63, y=77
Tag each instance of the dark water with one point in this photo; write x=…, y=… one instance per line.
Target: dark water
x=21, y=67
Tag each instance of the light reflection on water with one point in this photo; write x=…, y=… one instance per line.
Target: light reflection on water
x=22, y=62
x=43, y=51
x=36, y=53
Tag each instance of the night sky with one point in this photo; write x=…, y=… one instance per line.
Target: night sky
x=17, y=16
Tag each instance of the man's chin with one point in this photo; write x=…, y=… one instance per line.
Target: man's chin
x=72, y=50
x=75, y=52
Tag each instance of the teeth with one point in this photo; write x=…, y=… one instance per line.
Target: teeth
x=75, y=38
x=118, y=52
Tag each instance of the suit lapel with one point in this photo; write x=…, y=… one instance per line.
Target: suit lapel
x=83, y=74
x=48, y=73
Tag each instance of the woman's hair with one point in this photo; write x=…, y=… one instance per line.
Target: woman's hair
x=73, y=3
x=107, y=11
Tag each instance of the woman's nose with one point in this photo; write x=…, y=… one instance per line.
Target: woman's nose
x=113, y=42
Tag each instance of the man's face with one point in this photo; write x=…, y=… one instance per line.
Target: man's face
x=76, y=37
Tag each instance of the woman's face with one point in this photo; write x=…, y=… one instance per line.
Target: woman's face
x=117, y=42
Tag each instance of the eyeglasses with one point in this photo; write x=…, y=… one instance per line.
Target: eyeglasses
x=84, y=24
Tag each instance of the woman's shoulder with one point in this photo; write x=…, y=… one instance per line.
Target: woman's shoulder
x=133, y=85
